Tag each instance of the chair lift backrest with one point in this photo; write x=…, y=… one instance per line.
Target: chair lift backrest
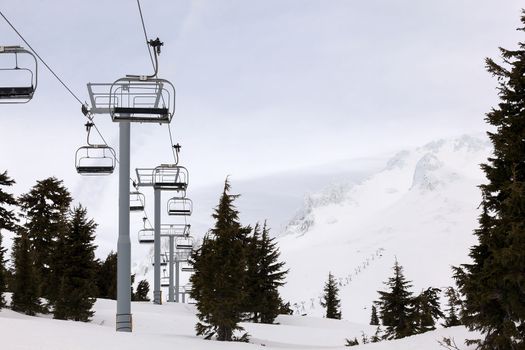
x=146, y=235
x=137, y=201
x=95, y=160
x=142, y=99
x=15, y=92
x=180, y=206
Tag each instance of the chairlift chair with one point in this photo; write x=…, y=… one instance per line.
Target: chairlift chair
x=94, y=159
x=147, y=235
x=142, y=99
x=180, y=206
x=14, y=91
x=163, y=260
x=185, y=243
x=170, y=177
x=175, y=230
x=137, y=201
x=164, y=281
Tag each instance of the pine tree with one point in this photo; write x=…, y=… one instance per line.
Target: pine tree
x=265, y=275
x=107, y=277
x=45, y=210
x=395, y=306
x=25, y=286
x=142, y=291
x=78, y=290
x=493, y=283
x=427, y=310
x=331, y=299
x=453, y=308
x=374, y=320
x=218, y=283
x=8, y=221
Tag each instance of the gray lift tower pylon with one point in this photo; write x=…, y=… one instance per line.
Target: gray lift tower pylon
x=124, y=318
x=174, y=232
x=165, y=177
x=121, y=100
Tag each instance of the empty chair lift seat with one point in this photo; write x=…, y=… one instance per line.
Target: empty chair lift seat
x=20, y=80
x=180, y=206
x=17, y=92
x=143, y=100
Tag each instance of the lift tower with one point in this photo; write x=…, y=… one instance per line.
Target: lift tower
x=132, y=99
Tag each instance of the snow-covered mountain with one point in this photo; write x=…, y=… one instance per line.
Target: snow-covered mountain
x=420, y=208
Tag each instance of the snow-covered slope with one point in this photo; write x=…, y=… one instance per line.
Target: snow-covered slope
x=421, y=208
x=171, y=326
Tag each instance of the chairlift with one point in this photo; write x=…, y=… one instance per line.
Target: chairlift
x=163, y=260
x=164, y=281
x=183, y=255
x=19, y=80
x=147, y=235
x=143, y=99
x=180, y=206
x=94, y=159
x=170, y=177
x=175, y=230
x=185, y=243
x=137, y=201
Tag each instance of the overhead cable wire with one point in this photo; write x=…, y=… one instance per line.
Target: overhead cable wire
x=88, y=116
x=145, y=34
x=40, y=58
x=55, y=75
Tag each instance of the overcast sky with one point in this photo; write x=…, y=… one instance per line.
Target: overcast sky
x=262, y=86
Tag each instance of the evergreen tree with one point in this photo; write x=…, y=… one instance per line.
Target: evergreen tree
x=264, y=276
x=493, y=283
x=285, y=308
x=133, y=295
x=45, y=209
x=427, y=310
x=78, y=289
x=352, y=342
x=107, y=277
x=395, y=306
x=331, y=299
x=142, y=291
x=378, y=336
x=218, y=283
x=453, y=308
x=8, y=221
x=374, y=320
x=25, y=287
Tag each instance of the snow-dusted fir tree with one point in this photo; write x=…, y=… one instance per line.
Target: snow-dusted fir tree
x=77, y=290
x=44, y=209
x=427, y=310
x=218, y=283
x=8, y=221
x=453, y=309
x=331, y=301
x=142, y=291
x=265, y=275
x=374, y=320
x=493, y=283
x=25, y=285
x=107, y=277
x=396, y=306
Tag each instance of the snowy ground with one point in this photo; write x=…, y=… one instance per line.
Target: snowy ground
x=172, y=326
